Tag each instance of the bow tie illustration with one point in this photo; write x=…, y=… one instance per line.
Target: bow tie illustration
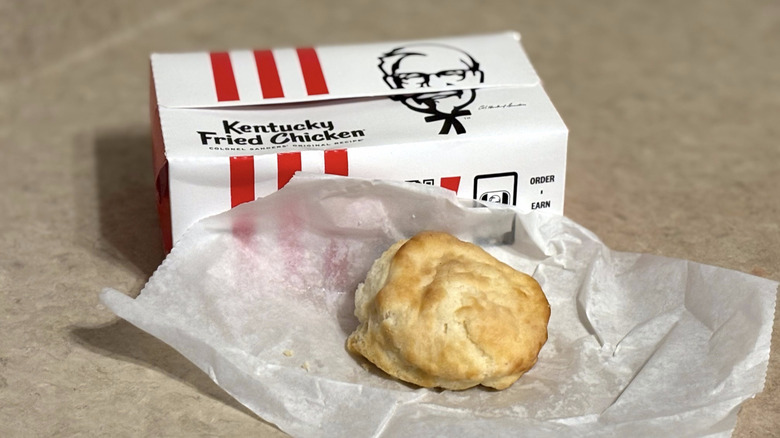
x=450, y=121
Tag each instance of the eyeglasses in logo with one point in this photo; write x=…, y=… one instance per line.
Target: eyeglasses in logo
x=419, y=66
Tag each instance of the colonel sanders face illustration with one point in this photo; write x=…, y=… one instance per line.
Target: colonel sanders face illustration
x=419, y=66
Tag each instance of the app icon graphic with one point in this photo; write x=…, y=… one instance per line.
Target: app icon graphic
x=498, y=188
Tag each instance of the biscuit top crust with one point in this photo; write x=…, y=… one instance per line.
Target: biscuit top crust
x=443, y=312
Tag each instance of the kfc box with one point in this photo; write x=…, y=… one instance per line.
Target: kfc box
x=468, y=114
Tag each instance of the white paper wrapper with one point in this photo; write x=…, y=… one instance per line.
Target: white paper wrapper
x=261, y=299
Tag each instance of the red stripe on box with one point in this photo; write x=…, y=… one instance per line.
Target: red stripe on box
x=268, y=74
x=312, y=71
x=242, y=180
x=287, y=163
x=336, y=162
x=451, y=183
x=224, y=80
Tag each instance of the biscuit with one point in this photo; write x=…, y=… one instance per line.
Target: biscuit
x=439, y=312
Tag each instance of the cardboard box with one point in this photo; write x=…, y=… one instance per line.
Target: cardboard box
x=468, y=114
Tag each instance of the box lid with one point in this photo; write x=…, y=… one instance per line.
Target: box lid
x=307, y=74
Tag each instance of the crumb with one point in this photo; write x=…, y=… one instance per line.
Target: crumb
x=305, y=366
x=760, y=272
x=365, y=366
x=287, y=353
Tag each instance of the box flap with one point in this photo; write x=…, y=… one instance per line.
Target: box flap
x=287, y=75
x=494, y=115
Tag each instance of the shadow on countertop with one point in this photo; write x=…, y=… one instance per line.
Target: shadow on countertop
x=124, y=341
x=126, y=197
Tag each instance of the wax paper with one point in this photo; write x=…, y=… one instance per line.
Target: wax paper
x=262, y=298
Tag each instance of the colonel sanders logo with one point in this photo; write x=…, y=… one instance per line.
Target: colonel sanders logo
x=419, y=66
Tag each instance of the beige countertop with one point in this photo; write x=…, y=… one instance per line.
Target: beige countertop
x=674, y=150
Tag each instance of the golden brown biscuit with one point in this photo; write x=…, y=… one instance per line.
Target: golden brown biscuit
x=439, y=312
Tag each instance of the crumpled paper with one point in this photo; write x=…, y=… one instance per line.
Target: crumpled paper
x=261, y=299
